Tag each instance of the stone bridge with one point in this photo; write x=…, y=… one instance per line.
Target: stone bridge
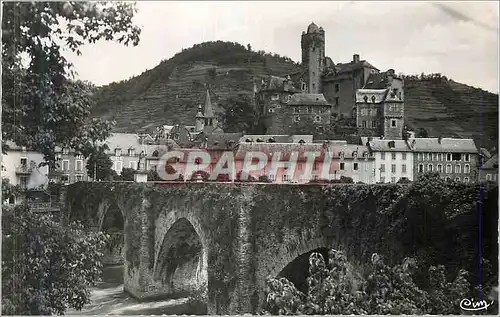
x=226, y=239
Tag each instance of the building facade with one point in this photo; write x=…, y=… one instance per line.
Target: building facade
x=393, y=159
x=488, y=171
x=21, y=167
x=453, y=159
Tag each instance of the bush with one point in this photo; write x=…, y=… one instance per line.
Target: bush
x=337, y=287
x=204, y=176
x=244, y=177
x=46, y=268
x=264, y=179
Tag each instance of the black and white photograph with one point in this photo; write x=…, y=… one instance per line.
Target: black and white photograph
x=249, y=158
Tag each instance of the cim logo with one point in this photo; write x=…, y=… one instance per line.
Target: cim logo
x=471, y=305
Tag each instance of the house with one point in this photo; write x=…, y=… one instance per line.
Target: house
x=488, y=171
x=393, y=159
x=21, y=166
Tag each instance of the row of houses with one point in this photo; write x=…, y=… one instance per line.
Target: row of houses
x=372, y=160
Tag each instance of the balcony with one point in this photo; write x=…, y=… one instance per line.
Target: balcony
x=24, y=170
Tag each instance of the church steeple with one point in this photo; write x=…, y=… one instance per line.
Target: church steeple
x=208, y=113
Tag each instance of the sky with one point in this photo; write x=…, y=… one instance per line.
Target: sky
x=456, y=39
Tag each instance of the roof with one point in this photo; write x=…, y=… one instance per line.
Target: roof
x=286, y=149
x=312, y=28
x=308, y=99
x=277, y=138
x=349, y=67
x=218, y=141
x=123, y=141
x=275, y=83
x=491, y=163
x=378, y=80
x=372, y=95
x=449, y=145
x=209, y=112
x=382, y=145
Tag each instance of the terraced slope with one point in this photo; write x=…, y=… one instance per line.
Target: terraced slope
x=171, y=92
x=448, y=108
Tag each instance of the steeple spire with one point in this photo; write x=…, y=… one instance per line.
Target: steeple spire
x=209, y=113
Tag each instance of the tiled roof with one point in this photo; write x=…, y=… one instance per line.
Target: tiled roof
x=379, y=94
x=307, y=99
x=451, y=145
x=277, y=138
x=286, y=149
x=490, y=164
x=275, y=83
x=349, y=67
x=383, y=145
x=123, y=141
x=218, y=141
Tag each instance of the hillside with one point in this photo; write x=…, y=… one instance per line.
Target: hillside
x=171, y=92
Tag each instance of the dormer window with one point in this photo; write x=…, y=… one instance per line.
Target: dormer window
x=131, y=152
x=301, y=141
x=64, y=151
x=365, y=98
x=373, y=99
x=156, y=153
x=118, y=152
x=248, y=140
x=341, y=155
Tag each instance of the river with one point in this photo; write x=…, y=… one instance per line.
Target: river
x=108, y=298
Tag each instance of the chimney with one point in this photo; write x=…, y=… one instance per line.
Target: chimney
x=355, y=58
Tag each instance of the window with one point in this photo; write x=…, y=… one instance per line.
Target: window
x=78, y=178
x=448, y=168
x=419, y=156
x=435, y=157
x=467, y=169
x=440, y=157
x=440, y=168
x=65, y=165
x=374, y=112
x=393, y=156
x=448, y=178
x=466, y=179
x=458, y=168
x=393, y=179
x=457, y=179
x=23, y=181
x=425, y=156
x=118, y=166
x=132, y=165
x=403, y=156
x=65, y=151
x=355, y=166
x=382, y=155
x=394, y=123
x=309, y=109
x=429, y=168
x=393, y=168
x=382, y=168
x=303, y=86
x=79, y=157
x=342, y=166
x=24, y=161
x=363, y=124
x=78, y=165
x=118, y=152
x=336, y=101
x=456, y=157
x=374, y=124
x=286, y=178
x=382, y=179
x=420, y=168
x=467, y=157
x=448, y=157
x=337, y=88
x=430, y=156
x=314, y=86
x=403, y=168
x=488, y=177
x=296, y=110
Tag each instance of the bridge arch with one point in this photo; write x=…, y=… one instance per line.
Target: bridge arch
x=112, y=221
x=180, y=264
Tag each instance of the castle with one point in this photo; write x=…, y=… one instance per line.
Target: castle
x=323, y=91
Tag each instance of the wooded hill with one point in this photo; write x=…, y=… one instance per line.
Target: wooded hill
x=171, y=92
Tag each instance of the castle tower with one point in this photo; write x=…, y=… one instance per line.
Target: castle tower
x=200, y=120
x=313, y=57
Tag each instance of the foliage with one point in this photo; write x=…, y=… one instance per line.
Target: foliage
x=46, y=268
x=9, y=190
x=264, y=179
x=241, y=176
x=239, y=114
x=306, y=125
x=127, y=174
x=100, y=164
x=42, y=105
x=153, y=176
x=203, y=175
x=338, y=288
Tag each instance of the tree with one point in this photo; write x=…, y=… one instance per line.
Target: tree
x=43, y=106
x=249, y=47
x=127, y=174
x=319, y=131
x=9, y=190
x=239, y=114
x=153, y=176
x=46, y=267
x=100, y=163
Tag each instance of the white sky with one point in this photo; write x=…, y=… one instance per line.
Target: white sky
x=457, y=39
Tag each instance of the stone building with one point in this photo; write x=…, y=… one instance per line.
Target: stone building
x=380, y=106
x=488, y=172
x=453, y=159
x=321, y=82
